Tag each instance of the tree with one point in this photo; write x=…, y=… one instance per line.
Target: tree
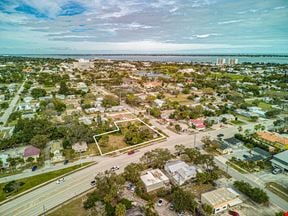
x=120, y=210
x=109, y=185
x=59, y=105
x=178, y=128
x=240, y=129
x=132, y=172
x=38, y=92
x=132, y=100
x=30, y=159
x=256, y=194
x=183, y=200
x=156, y=158
x=155, y=111
x=39, y=141
x=98, y=209
x=110, y=100
x=207, y=208
x=4, y=105
x=64, y=88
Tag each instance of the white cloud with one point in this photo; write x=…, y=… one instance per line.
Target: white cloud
x=229, y=22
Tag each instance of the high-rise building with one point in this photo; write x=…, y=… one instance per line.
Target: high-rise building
x=220, y=61
x=232, y=61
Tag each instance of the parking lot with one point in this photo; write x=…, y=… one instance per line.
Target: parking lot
x=267, y=176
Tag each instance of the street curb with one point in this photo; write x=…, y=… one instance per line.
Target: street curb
x=67, y=201
x=45, y=183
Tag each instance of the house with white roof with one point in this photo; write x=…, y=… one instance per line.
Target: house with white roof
x=179, y=171
x=221, y=199
x=154, y=179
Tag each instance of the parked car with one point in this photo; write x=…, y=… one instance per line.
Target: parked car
x=131, y=152
x=276, y=171
x=59, y=181
x=160, y=202
x=66, y=162
x=220, y=135
x=114, y=168
x=131, y=187
x=233, y=213
x=34, y=168
x=93, y=183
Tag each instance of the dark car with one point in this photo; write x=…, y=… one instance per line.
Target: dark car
x=220, y=135
x=66, y=162
x=93, y=183
x=233, y=213
x=34, y=168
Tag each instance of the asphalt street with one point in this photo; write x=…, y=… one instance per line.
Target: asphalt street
x=40, y=200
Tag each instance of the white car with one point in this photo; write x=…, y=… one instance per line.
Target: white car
x=59, y=181
x=114, y=168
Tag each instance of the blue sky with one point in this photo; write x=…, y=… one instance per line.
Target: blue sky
x=143, y=26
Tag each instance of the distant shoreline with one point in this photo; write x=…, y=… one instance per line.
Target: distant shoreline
x=171, y=54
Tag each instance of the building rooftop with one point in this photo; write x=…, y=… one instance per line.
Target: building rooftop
x=232, y=141
x=273, y=137
x=31, y=151
x=153, y=177
x=220, y=195
x=281, y=157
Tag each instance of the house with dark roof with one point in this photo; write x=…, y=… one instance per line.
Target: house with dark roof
x=233, y=142
x=31, y=152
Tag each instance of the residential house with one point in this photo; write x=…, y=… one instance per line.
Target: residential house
x=233, y=142
x=224, y=148
x=56, y=149
x=179, y=171
x=221, y=199
x=198, y=124
x=154, y=179
x=80, y=147
x=152, y=84
x=257, y=111
x=31, y=152
x=159, y=102
x=4, y=158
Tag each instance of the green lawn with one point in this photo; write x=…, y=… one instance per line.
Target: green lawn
x=264, y=106
x=237, y=122
x=33, y=181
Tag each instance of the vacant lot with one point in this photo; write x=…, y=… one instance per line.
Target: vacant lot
x=180, y=98
x=72, y=208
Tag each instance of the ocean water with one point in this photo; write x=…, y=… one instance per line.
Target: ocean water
x=177, y=58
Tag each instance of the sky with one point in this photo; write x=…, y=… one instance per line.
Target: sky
x=144, y=26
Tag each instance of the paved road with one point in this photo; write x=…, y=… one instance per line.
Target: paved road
x=51, y=195
x=29, y=173
x=12, y=105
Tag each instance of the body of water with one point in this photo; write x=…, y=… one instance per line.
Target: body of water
x=176, y=58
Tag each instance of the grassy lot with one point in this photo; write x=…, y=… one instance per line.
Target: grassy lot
x=234, y=77
x=237, y=122
x=116, y=141
x=198, y=189
x=181, y=98
x=33, y=181
x=264, y=106
x=72, y=208
x=239, y=169
x=278, y=189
